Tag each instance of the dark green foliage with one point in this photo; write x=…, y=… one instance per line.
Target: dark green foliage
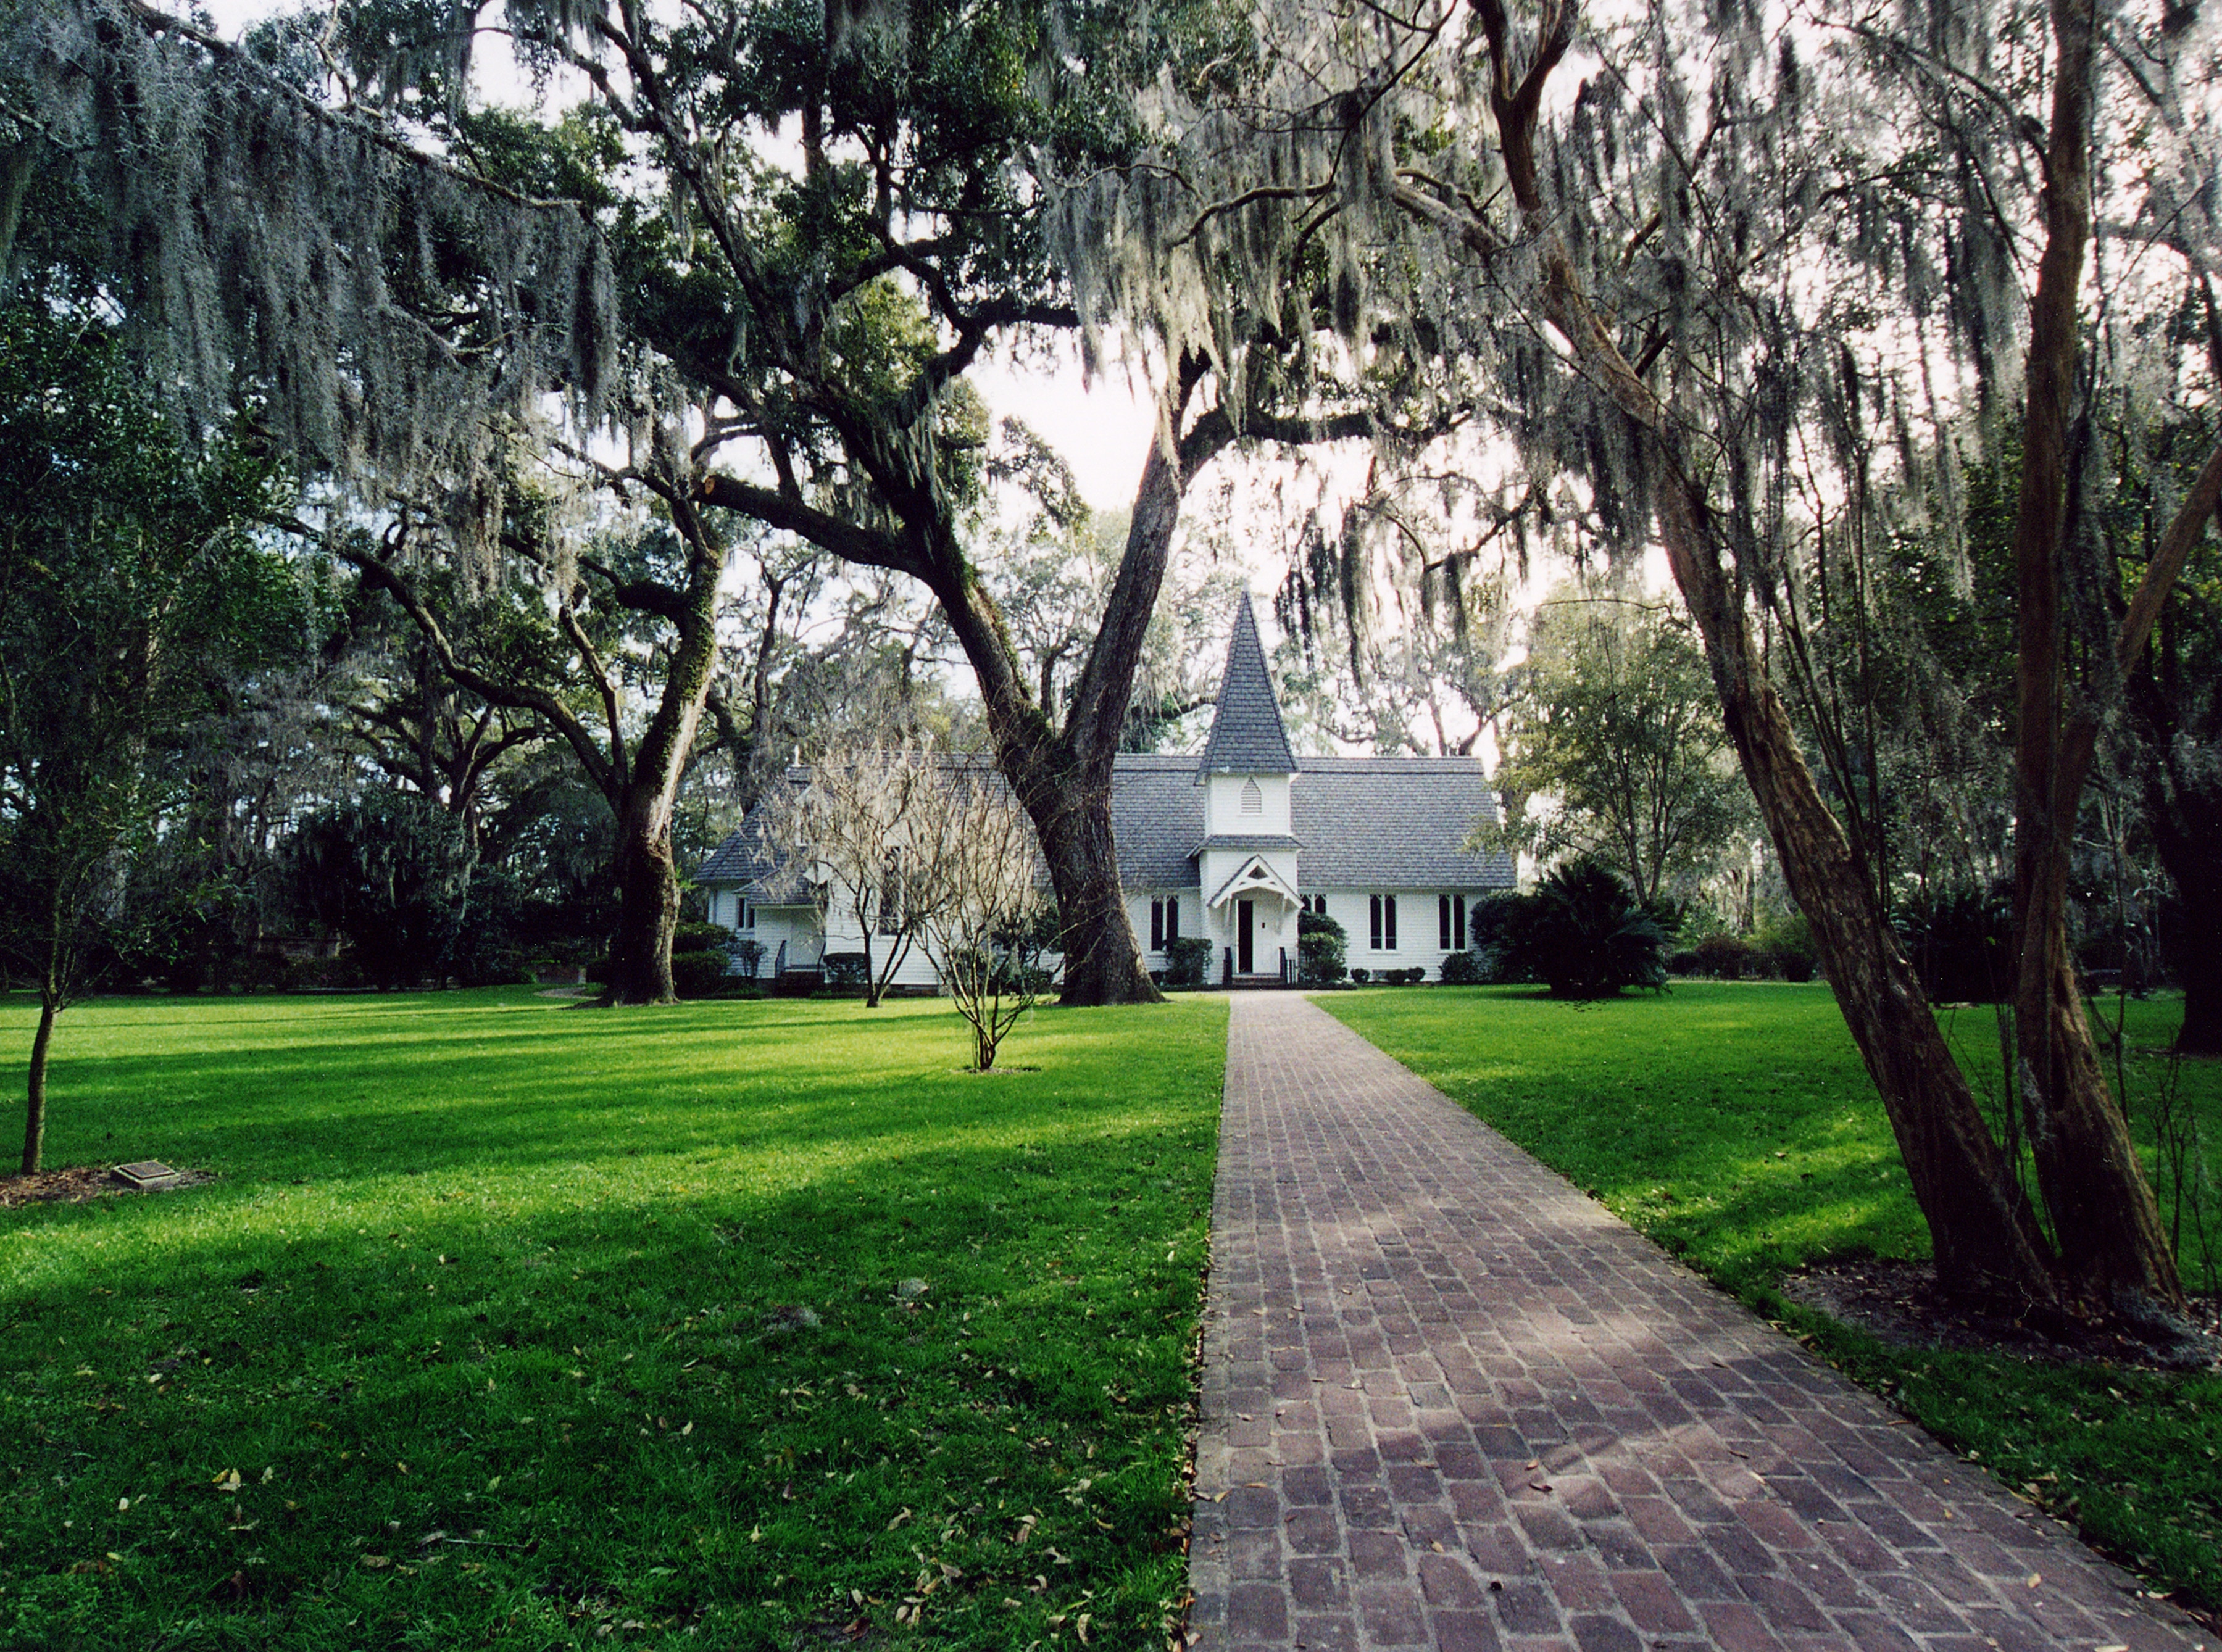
x=699, y=973
x=486, y=949
x=132, y=592
x=844, y=970
x=1461, y=969
x=701, y=937
x=1961, y=943
x=391, y=874
x=130, y=586
x=1497, y=929
x=1188, y=961
x=1587, y=935
x=1321, y=949
x=1726, y=957
x=1361, y=976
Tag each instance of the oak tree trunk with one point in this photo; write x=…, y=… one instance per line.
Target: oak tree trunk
x=647, y=906
x=1985, y=1236
x=2187, y=831
x=648, y=880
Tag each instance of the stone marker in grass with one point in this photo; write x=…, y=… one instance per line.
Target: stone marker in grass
x=146, y=1176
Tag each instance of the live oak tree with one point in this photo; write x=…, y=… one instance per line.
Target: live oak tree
x=2104, y=1252
x=788, y=237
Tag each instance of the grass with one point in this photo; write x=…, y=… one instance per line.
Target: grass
x=1735, y=1125
x=510, y=1324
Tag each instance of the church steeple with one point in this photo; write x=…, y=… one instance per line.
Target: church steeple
x=1246, y=734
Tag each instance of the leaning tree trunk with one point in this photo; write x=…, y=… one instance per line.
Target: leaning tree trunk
x=1986, y=1242
x=1062, y=777
x=34, y=1090
x=2105, y=1220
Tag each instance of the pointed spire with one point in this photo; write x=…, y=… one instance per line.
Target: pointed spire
x=1246, y=734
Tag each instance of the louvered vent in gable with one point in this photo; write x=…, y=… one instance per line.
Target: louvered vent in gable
x=1253, y=799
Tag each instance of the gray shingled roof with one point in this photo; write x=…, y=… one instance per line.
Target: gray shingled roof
x=1246, y=734
x=1394, y=823
x=746, y=858
x=1156, y=817
x=1362, y=822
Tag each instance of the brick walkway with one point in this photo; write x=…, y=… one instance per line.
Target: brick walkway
x=1449, y=1401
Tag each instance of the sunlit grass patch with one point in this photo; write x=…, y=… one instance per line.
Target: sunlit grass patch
x=1734, y=1125
x=521, y=1324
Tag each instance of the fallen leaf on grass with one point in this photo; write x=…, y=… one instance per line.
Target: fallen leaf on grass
x=228, y=1481
x=375, y=1562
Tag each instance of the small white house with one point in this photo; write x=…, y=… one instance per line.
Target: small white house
x=1229, y=845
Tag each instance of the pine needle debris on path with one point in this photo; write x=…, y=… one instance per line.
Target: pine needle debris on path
x=1450, y=1401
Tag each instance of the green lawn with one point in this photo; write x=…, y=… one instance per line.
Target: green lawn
x=1735, y=1125
x=513, y=1323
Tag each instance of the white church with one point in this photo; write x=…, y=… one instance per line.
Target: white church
x=1229, y=845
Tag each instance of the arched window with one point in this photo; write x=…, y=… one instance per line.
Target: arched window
x=1253, y=799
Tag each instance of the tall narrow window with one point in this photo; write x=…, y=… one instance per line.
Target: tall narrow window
x=1457, y=922
x=1377, y=922
x=1172, y=919
x=1157, y=926
x=1443, y=922
x=1389, y=921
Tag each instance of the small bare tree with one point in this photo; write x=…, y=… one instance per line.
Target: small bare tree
x=852, y=833
x=985, y=909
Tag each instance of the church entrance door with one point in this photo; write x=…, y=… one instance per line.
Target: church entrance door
x=1244, y=913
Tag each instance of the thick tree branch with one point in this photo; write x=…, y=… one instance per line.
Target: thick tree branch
x=382, y=576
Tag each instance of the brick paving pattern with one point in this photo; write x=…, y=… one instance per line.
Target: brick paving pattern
x=1449, y=1401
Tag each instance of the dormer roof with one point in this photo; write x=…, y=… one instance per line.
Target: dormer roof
x=1246, y=733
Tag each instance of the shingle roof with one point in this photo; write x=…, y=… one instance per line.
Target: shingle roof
x=747, y=858
x=1246, y=734
x=1156, y=817
x=1247, y=841
x=1361, y=823
x=1394, y=823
